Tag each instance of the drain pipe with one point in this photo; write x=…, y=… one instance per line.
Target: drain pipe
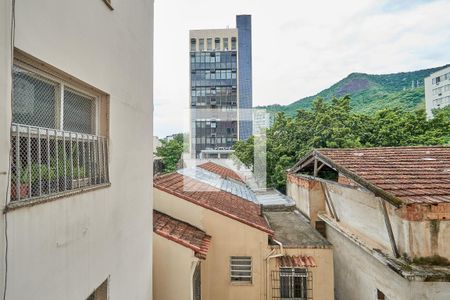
x=268, y=258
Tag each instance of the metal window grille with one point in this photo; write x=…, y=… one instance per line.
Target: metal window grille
x=54, y=149
x=291, y=283
x=241, y=269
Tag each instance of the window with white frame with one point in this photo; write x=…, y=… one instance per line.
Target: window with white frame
x=241, y=269
x=58, y=134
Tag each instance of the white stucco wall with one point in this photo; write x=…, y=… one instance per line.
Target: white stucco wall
x=358, y=275
x=65, y=248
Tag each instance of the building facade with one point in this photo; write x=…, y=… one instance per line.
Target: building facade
x=437, y=90
x=220, y=86
x=386, y=212
x=217, y=239
x=76, y=79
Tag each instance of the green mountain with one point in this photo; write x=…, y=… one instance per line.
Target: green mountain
x=370, y=92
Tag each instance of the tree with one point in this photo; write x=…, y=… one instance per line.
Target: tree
x=171, y=151
x=334, y=125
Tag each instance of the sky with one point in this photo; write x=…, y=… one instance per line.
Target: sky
x=300, y=47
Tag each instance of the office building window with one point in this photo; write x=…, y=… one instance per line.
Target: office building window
x=193, y=44
x=233, y=43
x=225, y=43
x=201, y=44
x=217, y=43
x=209, y=44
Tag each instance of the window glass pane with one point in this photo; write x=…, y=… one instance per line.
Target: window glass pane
x=79, y=112
x=193, y=44
x=209, y=44
x=225, y=43
x=201, y=44
x=34, y=99
x=233, y=43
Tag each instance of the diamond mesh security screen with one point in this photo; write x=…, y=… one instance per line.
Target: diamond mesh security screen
x=54, y=149
x=34, y=99
x=79, y=112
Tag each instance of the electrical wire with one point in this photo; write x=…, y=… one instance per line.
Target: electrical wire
x=8, y=177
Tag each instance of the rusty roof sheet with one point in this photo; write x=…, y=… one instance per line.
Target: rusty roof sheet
x=212, y=198
x=412, y=174
x=221, y=170
x=296, y=261
x=182, y=233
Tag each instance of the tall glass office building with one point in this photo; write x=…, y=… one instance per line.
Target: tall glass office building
x=221, y=87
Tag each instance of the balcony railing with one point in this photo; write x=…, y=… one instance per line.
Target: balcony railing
x=47, y=162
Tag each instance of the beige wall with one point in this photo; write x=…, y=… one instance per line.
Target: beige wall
x=66, y=248
x=173, y=267
x=360, y=211
x=322, y=274
x=229, y=238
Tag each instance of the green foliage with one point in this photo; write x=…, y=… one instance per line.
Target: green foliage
x=369, y=92
x=334, y=125
x=171, y=151
x=435, y=260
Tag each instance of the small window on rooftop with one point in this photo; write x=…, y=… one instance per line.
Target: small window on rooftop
x=201, y=44
x=233, y=43
x=225, y=43
x=209, y=44
x=193, y=44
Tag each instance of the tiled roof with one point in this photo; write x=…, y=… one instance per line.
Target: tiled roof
x=295, y=261
x=221, y=170
x=411, y=174
x=181, y=233
x=212, y=198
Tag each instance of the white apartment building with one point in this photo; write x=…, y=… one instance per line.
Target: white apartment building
x=75, y=149
x=437, y=90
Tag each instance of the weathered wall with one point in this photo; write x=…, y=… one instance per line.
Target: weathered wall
x=307, y=194
x=322, y=274
x=173, y=266
x=229, y=238
x=65, y=248
x=358, y=275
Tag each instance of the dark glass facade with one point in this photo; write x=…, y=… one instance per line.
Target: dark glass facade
x=220, y=70
x=213, y=99
x=244, y=26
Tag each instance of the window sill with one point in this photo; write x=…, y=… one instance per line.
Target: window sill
x=241, y=283
x=36, y=201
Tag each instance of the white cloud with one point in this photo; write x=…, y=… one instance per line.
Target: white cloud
x=299, y=47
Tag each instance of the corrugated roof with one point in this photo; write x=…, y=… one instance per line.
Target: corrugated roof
x=221, y=170
x=213, y=198
x=411, y=174
x=295, y=261
x=181, y=233
x=219, y=182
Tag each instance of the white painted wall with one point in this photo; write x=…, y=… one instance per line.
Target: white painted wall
x=358, y=275
x=65, y=248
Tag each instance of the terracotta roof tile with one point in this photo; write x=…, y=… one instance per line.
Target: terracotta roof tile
x=295, y=261
x=212, y=198
x=181, y=233
x=221, y=170
x=412, y=174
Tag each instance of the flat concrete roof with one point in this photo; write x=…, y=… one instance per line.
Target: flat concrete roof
x=293, y=230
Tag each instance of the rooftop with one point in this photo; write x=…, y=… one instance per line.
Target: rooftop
x=213, y=198
x=292, y=229
x=405, y=174
x=182, y=233
x=221, y=170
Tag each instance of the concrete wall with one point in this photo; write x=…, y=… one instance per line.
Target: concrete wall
x=322, y=274
x=173, y=267
x=308, y=196
x=360, y=211
x=66, y=248
x=358, y=275
x=229, y=238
